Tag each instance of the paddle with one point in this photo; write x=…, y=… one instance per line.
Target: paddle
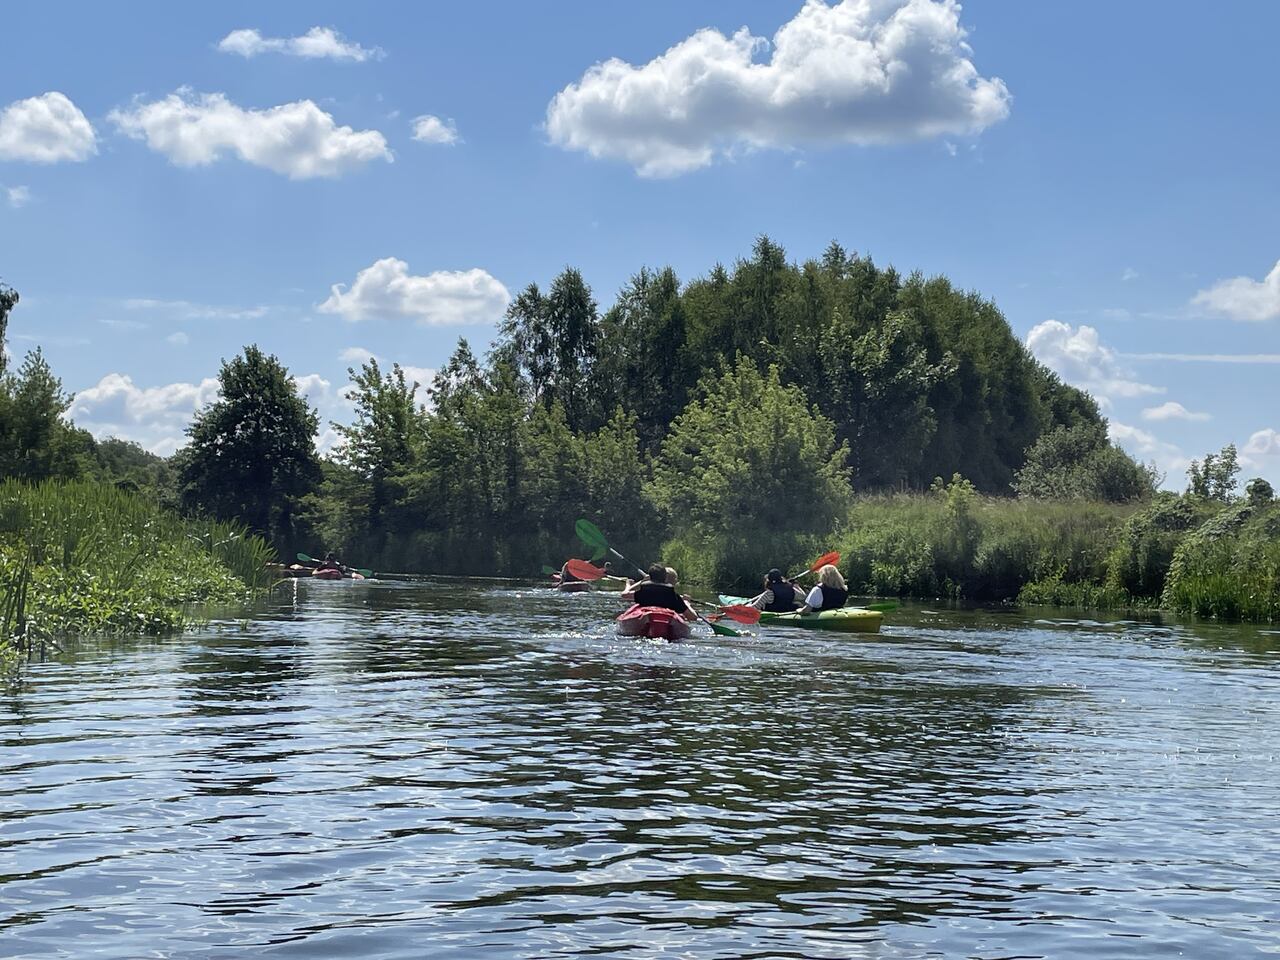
x=885, y=607
x=734, y=611
x=584, y=570
x=590, y=534
x=363, y=571
x=832, y=558
x=550, y=571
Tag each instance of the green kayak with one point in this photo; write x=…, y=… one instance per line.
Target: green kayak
x=845, y=620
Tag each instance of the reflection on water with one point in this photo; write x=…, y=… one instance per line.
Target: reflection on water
x=404, y=771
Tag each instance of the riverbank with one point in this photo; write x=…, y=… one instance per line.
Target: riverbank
x=83, y=557
x=1187, y=555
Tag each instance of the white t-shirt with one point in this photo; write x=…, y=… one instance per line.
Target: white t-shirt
x=814, y=599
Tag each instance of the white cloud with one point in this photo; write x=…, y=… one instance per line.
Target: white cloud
x=18, y=196
x=178, y=339
x=1243, y=298
x=296, y=139
x=46, y=129
x=1263, y=443
x=153, y=416
x=386, y=289
x=1172, y=411
x=157, y=417
x=1168, y=457
x=431, y=129
x=1129, y=274
x=316, y=43
x=115, y=324
x=357, y=355
x=186, y=310
x=1079, y=357
x=861, y=71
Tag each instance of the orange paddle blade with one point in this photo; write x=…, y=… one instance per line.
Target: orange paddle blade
x=832, y=558
x=742, y=613
x=584, y=570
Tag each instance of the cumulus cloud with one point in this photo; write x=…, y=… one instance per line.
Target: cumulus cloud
x=157, y=417
x=18, y=196
x=1080, y=358
x=431, y=129
x=860, y=71
x=1143, y=445
x=1243, y=298
x=178, y=339
x=296, y=139
x=387, y=289
x=1263, y=443
x=317, y=43
x=1172, y=411
x=46, y=129
x=1129, y=274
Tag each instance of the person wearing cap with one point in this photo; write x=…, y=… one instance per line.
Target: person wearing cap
x=830, y=592
x=780, y=594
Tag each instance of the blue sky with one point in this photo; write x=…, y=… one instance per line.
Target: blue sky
x=1105, y=172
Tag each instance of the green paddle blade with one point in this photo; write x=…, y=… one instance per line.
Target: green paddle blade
x=590, y=534
x=549, y=571
x=722, y=630
x=599, y=554
x=304, y=558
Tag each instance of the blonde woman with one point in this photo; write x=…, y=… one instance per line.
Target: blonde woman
x=829, y=594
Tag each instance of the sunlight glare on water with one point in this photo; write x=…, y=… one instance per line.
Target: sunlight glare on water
x=386, y=770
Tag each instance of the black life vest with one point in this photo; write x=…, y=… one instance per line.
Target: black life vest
x=785, y=598
x=651, y=594
x=833, y=598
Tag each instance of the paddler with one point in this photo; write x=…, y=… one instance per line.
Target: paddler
x=830, y=592
x=331, y=562
x=780, y=594
x=657, y=589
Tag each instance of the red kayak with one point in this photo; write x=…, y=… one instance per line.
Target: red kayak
x=328, y=573
x=658, y=623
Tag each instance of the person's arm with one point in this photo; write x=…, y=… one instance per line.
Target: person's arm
x=812, y=602
x=761, y=601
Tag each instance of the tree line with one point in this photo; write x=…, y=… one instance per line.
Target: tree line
x=752, y=402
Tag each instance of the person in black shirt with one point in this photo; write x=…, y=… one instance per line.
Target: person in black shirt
x=655, y=591
x=830, y=593
x=780, y=594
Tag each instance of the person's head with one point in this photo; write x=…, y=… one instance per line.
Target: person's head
x=657, y=573
x=774, y=576
x=672, y=577
x=829, y=576
x=607, y=566
x=329, y=555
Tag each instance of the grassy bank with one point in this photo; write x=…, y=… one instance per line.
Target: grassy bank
x=85, y=557
x=1184, y=554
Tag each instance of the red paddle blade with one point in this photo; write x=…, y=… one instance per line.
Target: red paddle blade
x=832, y=558
x=584, y=570
x=742, y=613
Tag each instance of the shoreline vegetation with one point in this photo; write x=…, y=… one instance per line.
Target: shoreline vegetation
x=727, y=424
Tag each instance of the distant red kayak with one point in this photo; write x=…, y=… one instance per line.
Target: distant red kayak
x=330, y=574
x=573, y=586
x=658, y=623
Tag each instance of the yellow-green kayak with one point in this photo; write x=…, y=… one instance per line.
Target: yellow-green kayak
x=844, y=620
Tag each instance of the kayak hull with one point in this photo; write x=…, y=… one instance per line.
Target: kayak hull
x=335, y=575
x=844, y=620
x=573, y=586
x=657, y=623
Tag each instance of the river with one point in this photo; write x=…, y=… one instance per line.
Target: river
x=444, y=770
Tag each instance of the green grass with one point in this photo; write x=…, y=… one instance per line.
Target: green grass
x=85, y=557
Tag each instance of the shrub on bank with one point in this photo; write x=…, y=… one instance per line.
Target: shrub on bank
x=84, y=557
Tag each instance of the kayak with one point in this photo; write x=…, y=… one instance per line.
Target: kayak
x=658, y=623
x=573, y=586
x=331, y=574
x=844, y=620
x=604, y=585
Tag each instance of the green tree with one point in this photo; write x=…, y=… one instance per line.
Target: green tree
x=251, y=455
x=8, y=300
x=750, y=451
x=36, y=441
x=1081, y=463
x=1214, y=478
x=552, y=340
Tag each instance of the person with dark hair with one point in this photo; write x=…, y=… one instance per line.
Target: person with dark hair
x=780, y=594
x=658, y=590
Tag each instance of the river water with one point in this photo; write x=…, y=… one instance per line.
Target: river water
x=376, y=770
